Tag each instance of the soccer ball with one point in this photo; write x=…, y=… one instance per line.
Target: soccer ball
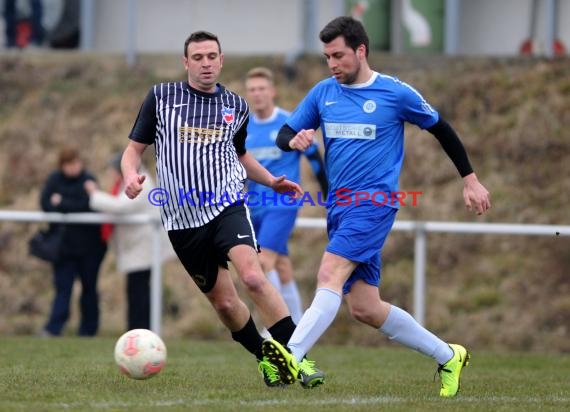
x=140, y=353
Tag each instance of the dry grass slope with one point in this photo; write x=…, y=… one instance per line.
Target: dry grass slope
x=497, y=292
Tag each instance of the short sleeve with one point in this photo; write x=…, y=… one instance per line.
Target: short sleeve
x=414, y=108
x=144, y=129
x=306, y=115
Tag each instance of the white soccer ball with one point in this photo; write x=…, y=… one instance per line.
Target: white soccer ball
x=140, y=353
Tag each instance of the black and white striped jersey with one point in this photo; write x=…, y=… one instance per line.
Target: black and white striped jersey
x=198, y=137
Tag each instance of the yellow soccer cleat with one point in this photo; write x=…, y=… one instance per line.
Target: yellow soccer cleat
x=450, y=372
x=284, y=360
x=269, y=372
x=309, y=376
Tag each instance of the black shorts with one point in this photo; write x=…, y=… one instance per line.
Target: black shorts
x=204, y=249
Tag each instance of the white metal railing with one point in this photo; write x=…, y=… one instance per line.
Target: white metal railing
x=419, y=228
x=95, y=218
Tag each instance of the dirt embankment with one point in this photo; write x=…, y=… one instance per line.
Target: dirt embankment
x=488, y=291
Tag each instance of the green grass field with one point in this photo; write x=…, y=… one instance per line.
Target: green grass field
x=80, y=375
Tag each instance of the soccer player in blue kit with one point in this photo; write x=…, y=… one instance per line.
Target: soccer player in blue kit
x=361, y=114
x=273, y=215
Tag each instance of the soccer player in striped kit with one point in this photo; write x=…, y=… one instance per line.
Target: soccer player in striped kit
x=362, y=114
x=198, y=128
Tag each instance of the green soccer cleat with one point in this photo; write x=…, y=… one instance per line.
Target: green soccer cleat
x=309, y=376
x=282, y=359
x=269, y=372
x=451, y=371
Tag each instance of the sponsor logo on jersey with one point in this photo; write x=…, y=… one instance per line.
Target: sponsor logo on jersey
x=369, y=106
x=187, y=134
x=350, y=131
x=266, y=153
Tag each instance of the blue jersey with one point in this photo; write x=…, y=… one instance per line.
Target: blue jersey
x=363, y=130
x=260, y=142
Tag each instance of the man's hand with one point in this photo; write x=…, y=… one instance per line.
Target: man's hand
x=475, y=195
x=282, y=185
x=133, y=185
x=302, y=140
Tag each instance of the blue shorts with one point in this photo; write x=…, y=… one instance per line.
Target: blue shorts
x=357, y=233
x=273, y=227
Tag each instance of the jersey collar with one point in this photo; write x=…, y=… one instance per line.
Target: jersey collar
x=269, y=119
x=219, y=90
x=362, y=85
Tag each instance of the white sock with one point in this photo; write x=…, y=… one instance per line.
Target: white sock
x=403, y=328
x=314, y=322
x=273, y=277
x=292, y=298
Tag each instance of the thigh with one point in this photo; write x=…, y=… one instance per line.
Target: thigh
x=334, y=270
x=359, y=235
x=246, y=263
x=224, y=289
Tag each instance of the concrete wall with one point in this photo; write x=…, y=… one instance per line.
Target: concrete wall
x=486, y=27
x=243, y=26
x=498, y=27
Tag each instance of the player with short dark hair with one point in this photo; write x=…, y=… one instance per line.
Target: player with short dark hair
x=361, y=114
x=198, y=128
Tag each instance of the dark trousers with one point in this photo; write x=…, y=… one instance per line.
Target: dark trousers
x=86, y=268
x=138, y=298
x=35, y=20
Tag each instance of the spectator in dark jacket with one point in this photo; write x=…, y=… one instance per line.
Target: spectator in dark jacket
x=83, y=248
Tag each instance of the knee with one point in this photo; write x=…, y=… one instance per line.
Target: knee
x=361, y=313
x=326, y=278
x=253, y=280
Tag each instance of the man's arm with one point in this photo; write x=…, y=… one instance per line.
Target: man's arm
x=285, y=135
x=107, y=203
x=256, y=172
x=288, y=139
x=130, y=165
x=451, y=144
x=475, y=195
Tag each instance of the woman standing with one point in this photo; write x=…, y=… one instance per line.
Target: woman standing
x=82, y=247
x=132, y=244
